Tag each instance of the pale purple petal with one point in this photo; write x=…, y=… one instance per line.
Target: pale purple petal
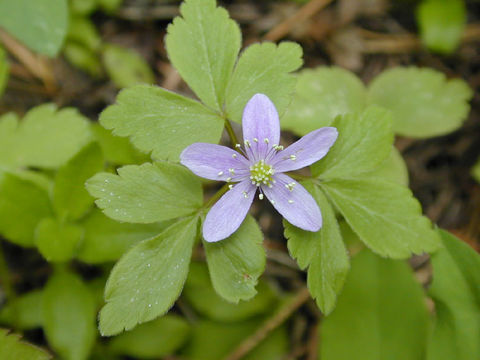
x=309, y=149
x=295, y=203
x=215, y=162
x=228, y=213
x=260, y=121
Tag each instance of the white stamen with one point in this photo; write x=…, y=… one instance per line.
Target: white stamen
x=266, y=141
x=245, y=195
x=247, y=143
x=290, y=201
x=293, y=157
x=273, y=202
x=220, y=173
x=232, y=171
x=230, y=186
x=255, y=140
x=238, y=145
x=228, y=179
x=290, y=186
x=234, y=156
x=260, y=196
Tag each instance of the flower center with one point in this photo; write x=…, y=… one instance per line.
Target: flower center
x=261, y=174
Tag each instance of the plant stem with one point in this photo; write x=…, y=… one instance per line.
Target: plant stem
x=5, y=276
x=216, y=196
x=231, y=133
x=269, y=325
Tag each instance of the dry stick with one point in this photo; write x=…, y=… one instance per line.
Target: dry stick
x=36, y=64
x=268, y=326
x=305, y=12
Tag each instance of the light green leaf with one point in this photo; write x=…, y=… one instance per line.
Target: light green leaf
x=148, y=279
x=4, y=70
x=321, y=95
x=106, y=240
x=83, y=7
x=24, y=312
x=83, y=58
x=109, y=6
x=83, y=31
x=160, y=121
x=381, y=314
x=200, y=294
x=214, y=341
x=364, y=142
x=23, y=203
x=125, y=66
x=476, y=171
x=147, y=193
x=40, y=24
x=236, y=262
x=203, y=45
x=456, y=292
x=393, y=169
x=323, y=252
x=11, y=348
x=263, y=68
x=152, y=340
x=70, y=198
x=117, y=150
x=57, y=241
x=69, y=316
x=49, y=138
x=441, y=24
x=385, y=216
x=423, y=102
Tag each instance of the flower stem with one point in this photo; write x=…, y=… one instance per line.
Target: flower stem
x=216, y=196
x=231, y=133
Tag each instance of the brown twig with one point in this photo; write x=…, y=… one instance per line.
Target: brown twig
x=269, y=325
x=304, y=13
x=36, y=64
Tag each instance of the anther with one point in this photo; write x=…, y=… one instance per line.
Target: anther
x=293, y=157
x=290, y=201
x=260, y=196
x=228, y=179
x=232, y=171
x=238, y=145
x=255, y=140
x=234, y=156
x=247, y=143
x=230, y=186
x=245, y=195
x=266, y=141
x=220, y=173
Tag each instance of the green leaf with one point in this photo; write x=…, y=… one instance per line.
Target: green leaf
x=11, y=348
x=69, y=316
x=40, y=24
x=441, y=24
x=200, y=294
x=70, y=198
x=9, y=156
x=83, y=58
x=236, y=263
x=364, y=142
x=381, y=314
x=423, y=102
x=476, y=171
x=393, y=169
x=23, y=203
x=263, y=68
x=147, y=193
x=24, y=312
x=160, y=121
x=214, y=341
x=321, y=95
x=152, y=340
x=83, y=7
x=106, y=240
x=148, y=279
x=4, y=70
x=323, y=252
x=83, y=31
x=385, y=216
x=117, y=150
x=203, y=45
x=456, y=292
x=126, y=67
x=48, y=138
x=109, y=6
x=57, y=241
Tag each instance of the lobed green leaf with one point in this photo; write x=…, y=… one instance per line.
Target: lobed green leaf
x=381, y=314
x=11, y=348
x=364, y=142
x=385, y=216
x=202, y=45
x=24, y=312
x=456, y=292
x=323, y=252
x=263, y=68
x=147, y=193
x=321, y=95
x=236, y=263
x=148, y=279
x=161, y=122
x=423, y=102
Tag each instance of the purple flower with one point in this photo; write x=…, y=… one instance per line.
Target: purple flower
x=261, y=165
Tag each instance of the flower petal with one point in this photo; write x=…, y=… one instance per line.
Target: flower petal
x=228, y=213
x=309, y=149
x=215, y=162
x=295, y=205
x=260, y=121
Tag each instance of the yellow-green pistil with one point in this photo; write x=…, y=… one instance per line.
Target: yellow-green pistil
x=262, y=174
